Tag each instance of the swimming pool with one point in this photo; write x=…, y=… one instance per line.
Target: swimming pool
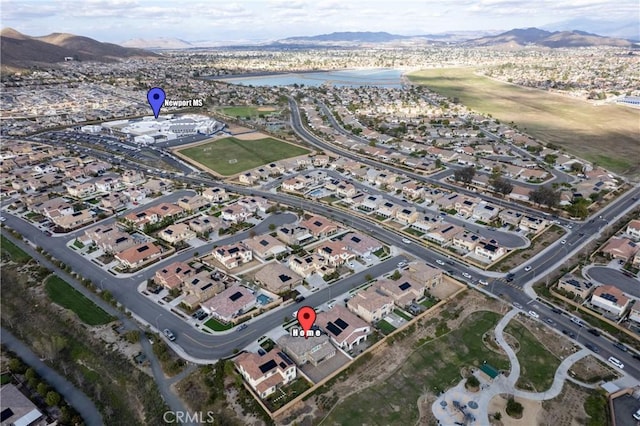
x=317, y=193
x=263, y=299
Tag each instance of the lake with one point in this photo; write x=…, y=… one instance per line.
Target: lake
x=378, y=77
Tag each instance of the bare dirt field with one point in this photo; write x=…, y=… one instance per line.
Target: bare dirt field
x=591, y=370
x=605, y=134
x=530, y=417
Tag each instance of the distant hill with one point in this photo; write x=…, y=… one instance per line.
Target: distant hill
x=628, y=30
x=347, y=36
x=158, y=43
x=536, y=36
x=19, y=51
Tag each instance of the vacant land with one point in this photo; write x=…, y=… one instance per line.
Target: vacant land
x=537, y=365
x=432, y=367
x=232, y=155
x=68, y=297
x=247, y=111
x=13, y=252
x=607, y=134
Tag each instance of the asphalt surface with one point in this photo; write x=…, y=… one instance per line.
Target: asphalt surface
x=610, y=276
x=76, y=398
x=505, y=239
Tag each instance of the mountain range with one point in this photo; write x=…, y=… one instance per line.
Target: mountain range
x=556, y=39
x=20, y=51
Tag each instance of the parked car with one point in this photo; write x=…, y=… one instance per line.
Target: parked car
x=594, y=332
x=168, y=334
x=527, y=268
x=242, y=327
x=591, y=348
x=299, y=298
x=620, y=346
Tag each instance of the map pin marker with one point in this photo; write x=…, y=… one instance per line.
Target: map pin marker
x=306, y=318
x=156, y=98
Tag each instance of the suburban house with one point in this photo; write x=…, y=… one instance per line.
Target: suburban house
x=235, y=213
x=277, y=278
x=233, y=255
x=510, y=217
x=265, y=246
x=309, y=265
x=426, y=275
x=580, y=287
x=176, y=233
x=319, y=226
x=407, y=215
x=18, y=410
x=293, y=235
x=371, y=304
x=193, y=204
x=533, y=223
x=361, y=245
x=466, y=241
x=230, y=303
x=621, y=248
x=110, y=239
x=73, y=220
x=312, y=350
x=205, y=224
x=139, y=255
x=611, y=299
x=334, y=252
x=215, y=195
x=344, y=328
x=201, y=287
x=633, y=229
x=443, y=233
x=265, y=373
x=403, y=291
x=173, y=275
x=634, y=312
x=387, y=209
x=485, y=212
x=489, y=250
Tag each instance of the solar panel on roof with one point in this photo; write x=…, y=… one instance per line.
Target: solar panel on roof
x=334, y=329
x=143, y=248
x=264, y=243
x=404, y=286
x=285, y=357
x=284, y=278
x=268, y=366
x=341, y=323
x=235, y=296
x=355, y=239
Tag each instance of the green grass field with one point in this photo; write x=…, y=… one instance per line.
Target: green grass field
x=14, y=252
x=433, y=367
x=607, y=135
x=247, y=111
x=537, y=364
x=216, y=325
x=66, y=296
x=244, y=154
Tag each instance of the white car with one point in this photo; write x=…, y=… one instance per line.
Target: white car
x=466, y=275
x=168, y=334
x=527, y=268
x=2, y=218
x=406, y=241
x=483, y=282
x=401, y=264
x=563, y=242
x=517, y=305
x=534, y=314
x=440, y=262
x=616, y=362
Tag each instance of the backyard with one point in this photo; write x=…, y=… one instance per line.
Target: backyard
x=232, y=155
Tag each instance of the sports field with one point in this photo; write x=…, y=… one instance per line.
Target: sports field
x=233, y=155
x=247, y=111
x=608, y=135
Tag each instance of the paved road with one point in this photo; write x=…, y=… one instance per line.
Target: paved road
x=605, y=275
x=300, y=129
x=74, y=396
x=505, y=239
x=164, y=384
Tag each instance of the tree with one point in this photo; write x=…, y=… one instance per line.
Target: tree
x=502, y=185
x=545, y=195
x=272, y=227
x=438, y=163
x=472, y=382
x=514, y=408
x=16, y=366
x=52, y=399
x=576, y=167
x=465, y=175
x=42, y=388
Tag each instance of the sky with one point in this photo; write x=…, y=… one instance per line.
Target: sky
x=216, y=20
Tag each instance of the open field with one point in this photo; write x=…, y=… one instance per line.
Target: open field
x=233, y=155
x=608, y=135
x=247, y=111
x=537, y=365
x=12, y=251
x=68, y=297
x=432, y=367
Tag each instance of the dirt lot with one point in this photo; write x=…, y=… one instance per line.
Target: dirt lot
x=530, y=417
x=567, y=409
x=386, y=360
x=251, y=136
x=558, y=345
x=446, y=288
x=592, y=370
x=234, y=129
